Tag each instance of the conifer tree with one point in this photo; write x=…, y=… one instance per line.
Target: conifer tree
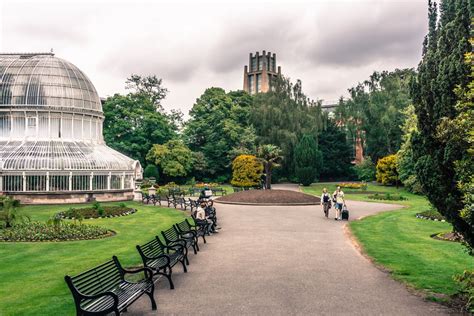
x=441, y=71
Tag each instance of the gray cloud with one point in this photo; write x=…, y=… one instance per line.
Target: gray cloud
x=379, y=31
x=330, y=45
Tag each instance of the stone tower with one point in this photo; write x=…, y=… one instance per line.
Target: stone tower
x=260, y=72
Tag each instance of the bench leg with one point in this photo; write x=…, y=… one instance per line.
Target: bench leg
x=204, y=238
x=183, y=262
x=168, y=276
x=197, y=244
x=152, y=299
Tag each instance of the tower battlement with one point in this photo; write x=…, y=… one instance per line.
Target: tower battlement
x=260, y=71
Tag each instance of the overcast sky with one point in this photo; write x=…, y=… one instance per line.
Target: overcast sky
x=193, y=45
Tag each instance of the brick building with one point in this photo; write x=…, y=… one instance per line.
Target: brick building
x=260, y=72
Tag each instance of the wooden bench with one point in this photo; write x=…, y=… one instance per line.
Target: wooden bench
x=172, y=238
x=185, y=227
x=161, y=258
x=103, y=289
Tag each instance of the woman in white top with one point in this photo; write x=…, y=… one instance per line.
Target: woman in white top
x=339, y=200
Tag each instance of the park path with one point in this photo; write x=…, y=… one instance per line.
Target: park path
x=283, y=261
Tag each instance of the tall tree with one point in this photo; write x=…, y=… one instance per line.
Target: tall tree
x=132, y=125
x=219, y=125
x=308, y=160
x=270, y=156
x=173, y=158
x=374, y=109
x=337, y=152
x=442, y=70
x=282, y=116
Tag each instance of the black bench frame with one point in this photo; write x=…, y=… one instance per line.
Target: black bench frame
x=185, y=227
x=106, y=280
x=158, y=257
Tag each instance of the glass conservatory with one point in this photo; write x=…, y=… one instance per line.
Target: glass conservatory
x=51, y=143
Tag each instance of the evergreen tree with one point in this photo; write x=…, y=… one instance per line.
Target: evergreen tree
x=282, y=116
x=337, y=152
x=441, y=70
x=308, y=160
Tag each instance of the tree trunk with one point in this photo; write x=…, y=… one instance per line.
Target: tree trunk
x=268, y=178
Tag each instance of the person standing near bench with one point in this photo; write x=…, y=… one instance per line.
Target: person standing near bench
x=326, y=202
x=339, y=200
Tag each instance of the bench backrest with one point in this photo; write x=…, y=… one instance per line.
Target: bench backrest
x=102, y=278
x=151, y=249
x=184, y=226
x=170, y=234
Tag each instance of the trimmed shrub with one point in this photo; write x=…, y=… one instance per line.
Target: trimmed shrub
x=466, y=284
x=36, y=231
x=351, y=185
x=365, y=170
x=306, y=175
x=431, y=214
x=101, y=211
x=387, y=197
x=386, y=172
x=247, y=171
x=308, y=160
x=151, y=171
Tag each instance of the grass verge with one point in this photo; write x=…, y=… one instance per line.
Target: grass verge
x=32, y=273
x=401, y=243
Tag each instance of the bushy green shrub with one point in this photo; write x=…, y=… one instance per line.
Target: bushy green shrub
x=353, y=185
x=308, y=160
x=387, y=197
x=431, y=214
x=386, y=171
x=246, y=171
x=36, y=231
x=151, y=171
x=93, y=212
x=306, y=175
x=365, y=170
x=466, y=283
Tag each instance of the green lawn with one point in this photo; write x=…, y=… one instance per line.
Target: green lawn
x=32, y=274
x=402, y=243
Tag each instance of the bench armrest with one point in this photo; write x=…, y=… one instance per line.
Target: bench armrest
x=174, y=247
x=148, y=272
x=192, y=232
x=163, y=256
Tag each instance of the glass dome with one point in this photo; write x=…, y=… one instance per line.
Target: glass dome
x=45, y=81
x=51, y=130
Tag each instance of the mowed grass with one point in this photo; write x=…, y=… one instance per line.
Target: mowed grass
x=401, y=242
x=32, y=274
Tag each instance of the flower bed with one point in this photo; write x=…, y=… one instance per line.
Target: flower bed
x=97, y=212
x=387, y=197
x=431, y=215
x=37, y=231
x=353, y=185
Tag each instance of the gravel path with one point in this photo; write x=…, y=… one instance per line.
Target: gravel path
x=270, y=260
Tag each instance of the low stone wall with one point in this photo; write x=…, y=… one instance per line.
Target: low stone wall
x=73, y=197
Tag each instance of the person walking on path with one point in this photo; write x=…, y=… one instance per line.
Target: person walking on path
x=326, y=202
x=339, y=200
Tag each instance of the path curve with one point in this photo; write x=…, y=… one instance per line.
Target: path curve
x=284, y=261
